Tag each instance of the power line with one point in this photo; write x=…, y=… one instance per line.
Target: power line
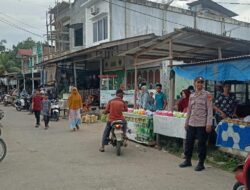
x=232, y=3
x=19, y=27
x=17, y=20
x=223, y=2
x=139, y=12
x=34, y=4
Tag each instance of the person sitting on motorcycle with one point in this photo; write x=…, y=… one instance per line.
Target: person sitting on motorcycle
x=115, y=108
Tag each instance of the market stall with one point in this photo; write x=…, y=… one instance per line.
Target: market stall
x=234, y=133
x=140, y=126
x=170, y=126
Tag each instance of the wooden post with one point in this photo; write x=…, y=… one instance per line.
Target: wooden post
x=75, y=75
x=136, y=85
x=172, y=78
x=125, y=73
x=219, y=53
x=100, y=79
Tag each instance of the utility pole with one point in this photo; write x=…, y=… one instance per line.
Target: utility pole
x=23, y=75
x=47, y=29
x=32, y=72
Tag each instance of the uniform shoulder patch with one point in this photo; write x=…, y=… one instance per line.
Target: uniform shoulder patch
x=209, y=97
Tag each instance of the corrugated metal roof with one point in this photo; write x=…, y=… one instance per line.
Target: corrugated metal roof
x=192, y=45
x=215, y=61
x=102, y=46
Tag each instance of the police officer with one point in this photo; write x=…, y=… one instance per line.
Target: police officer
x=198, y=123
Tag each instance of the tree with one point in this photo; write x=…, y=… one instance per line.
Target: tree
x=7, y=65
x=9, y=62
x=26, y=44
x=2, y=45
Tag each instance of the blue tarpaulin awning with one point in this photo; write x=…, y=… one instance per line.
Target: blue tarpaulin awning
x=235, y=69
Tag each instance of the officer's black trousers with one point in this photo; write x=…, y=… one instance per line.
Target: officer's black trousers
x=192, y=134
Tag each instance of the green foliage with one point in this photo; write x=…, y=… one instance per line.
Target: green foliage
x=9, y=62
x=7, y=65
x=26, y=44
x=2, y=46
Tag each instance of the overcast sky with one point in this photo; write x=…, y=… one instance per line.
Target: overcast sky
x=31, y=14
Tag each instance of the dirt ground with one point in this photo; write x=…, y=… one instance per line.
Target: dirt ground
x=58, y=159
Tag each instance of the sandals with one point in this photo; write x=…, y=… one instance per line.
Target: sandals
x=101, y=149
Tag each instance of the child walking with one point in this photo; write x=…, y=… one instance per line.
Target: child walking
x=46, y=108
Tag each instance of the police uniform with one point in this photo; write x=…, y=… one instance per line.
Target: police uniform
x=199, y=115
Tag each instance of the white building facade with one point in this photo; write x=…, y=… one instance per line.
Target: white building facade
x=100, y=21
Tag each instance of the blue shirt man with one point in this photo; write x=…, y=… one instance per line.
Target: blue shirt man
x=160, y=98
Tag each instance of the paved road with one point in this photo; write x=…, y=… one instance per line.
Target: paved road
x=58, y=159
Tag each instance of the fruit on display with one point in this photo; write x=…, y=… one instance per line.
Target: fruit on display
x=237, y=121
x=104, y=117
x=172, y=114
x=178, y=114
x=89, y=118
x=130, y=110
x=139, y=111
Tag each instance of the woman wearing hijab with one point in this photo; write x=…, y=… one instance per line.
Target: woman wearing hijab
x=183, y=104
x=75, y=105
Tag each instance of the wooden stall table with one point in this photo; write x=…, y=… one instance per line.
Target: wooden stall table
x=169, y=126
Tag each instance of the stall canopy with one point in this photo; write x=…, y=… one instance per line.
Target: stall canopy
x=237, y=68
x=190, y=45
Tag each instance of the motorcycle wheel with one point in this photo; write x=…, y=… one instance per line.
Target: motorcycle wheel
x=118, y=148
x=57, y=117
x=18, y=108
x=239, y=186
x=3, y=149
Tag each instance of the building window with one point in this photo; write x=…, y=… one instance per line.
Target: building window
x=100, y=29
x=79, y=37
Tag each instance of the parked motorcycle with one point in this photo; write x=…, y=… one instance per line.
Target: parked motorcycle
x=55, y=110
x=23, y=103
x=3, y=147
x=117, y=136
x=242, y=175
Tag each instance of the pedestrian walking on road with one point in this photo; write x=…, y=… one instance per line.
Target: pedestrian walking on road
x=37, y=106
x=75, y=106
x=198, y=124
x=46, y=109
